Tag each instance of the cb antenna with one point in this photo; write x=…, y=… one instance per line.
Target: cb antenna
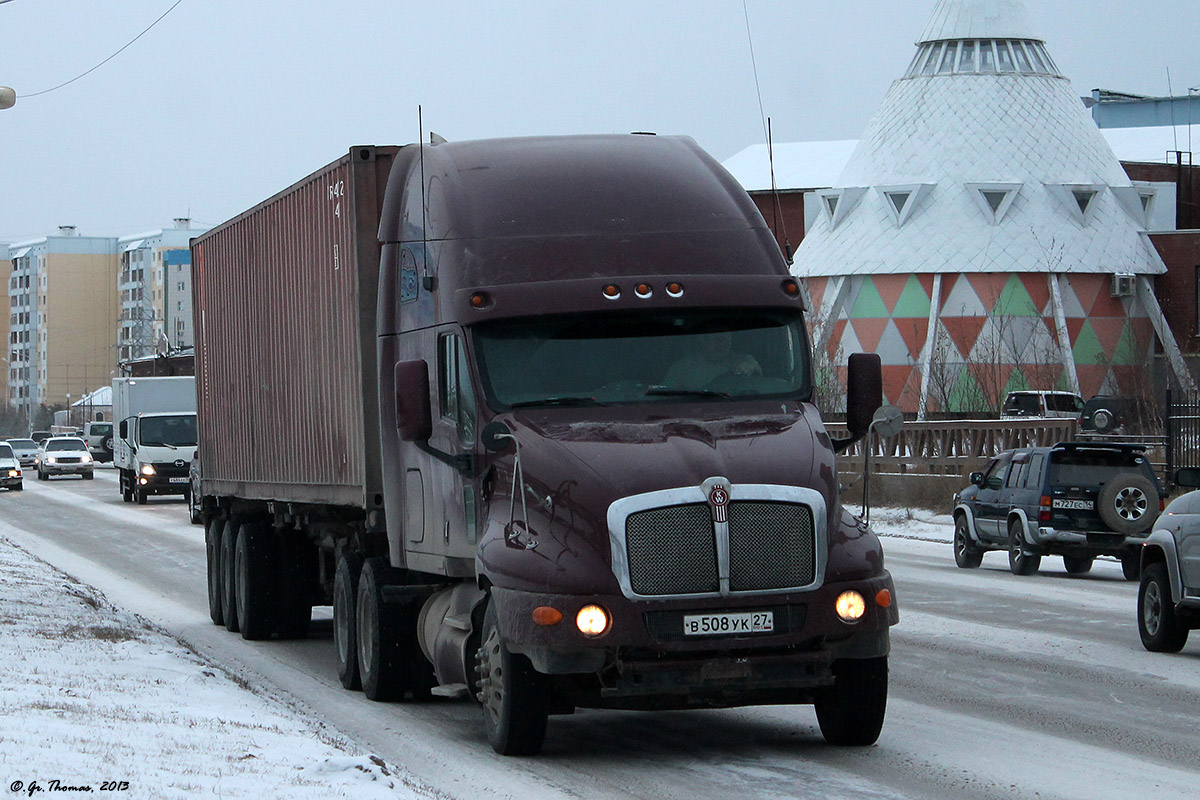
x=778, y=225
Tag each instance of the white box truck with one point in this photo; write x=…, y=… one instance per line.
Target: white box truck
x=156, y=435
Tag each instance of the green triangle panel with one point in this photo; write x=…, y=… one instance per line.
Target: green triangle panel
x=869, y=303
x=1087, y=349
x=1127, y=349
x=914, y=301
x=1016, y=382
x=1014, y=300
x=966, y=395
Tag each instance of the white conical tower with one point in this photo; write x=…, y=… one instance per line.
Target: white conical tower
x=981, y=160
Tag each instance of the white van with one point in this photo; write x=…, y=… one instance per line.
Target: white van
x=1034, y=405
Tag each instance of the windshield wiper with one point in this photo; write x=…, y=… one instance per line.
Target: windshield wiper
x=557, y=401
x=666, y=391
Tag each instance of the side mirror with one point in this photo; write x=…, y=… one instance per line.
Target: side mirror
x=977, y=479
x=496, y=436
x=414, y=418
x=864, y=392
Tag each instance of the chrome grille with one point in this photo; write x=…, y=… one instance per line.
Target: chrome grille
x=672, y=550
x=771, y=546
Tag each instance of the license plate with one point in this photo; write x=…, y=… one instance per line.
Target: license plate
x=728, y=624
x=179, y=480
x=1074, y=505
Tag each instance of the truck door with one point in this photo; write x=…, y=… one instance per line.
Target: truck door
x=454, y=433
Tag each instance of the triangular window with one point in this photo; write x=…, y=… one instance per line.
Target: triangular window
x=838, y=203
x=902, y=201
x=1081, y=199
x=1138, y=202
x=831, y=203
x=994, y=199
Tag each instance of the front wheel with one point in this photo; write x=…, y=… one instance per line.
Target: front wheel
x=1160, y=629
x=1077, y=565
x=966, y=554
x=1020, y=562
x=515, y=697
x=851, y=712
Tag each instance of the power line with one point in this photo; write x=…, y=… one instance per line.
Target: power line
x=105, y=61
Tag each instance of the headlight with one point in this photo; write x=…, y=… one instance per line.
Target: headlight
x=851, y=606
x=592, y=621
x=14, y=473
x=51, y=460
x=87, y=458
x=147, y=469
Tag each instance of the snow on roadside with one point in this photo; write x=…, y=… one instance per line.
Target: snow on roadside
x=91, y=694
x=914, y=523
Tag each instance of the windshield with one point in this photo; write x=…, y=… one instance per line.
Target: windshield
x=65, y=444
x=24, y=444
x=168, y=431
x=658, y=356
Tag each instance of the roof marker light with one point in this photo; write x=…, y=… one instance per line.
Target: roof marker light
x=675, y=289
x=480, y=300
x=612, y=291
x=643, y=290
x=791, y=288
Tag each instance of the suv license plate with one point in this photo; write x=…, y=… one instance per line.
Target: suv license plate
x=724, y=624
x=1076, y=505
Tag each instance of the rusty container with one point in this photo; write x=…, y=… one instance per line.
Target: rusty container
x=284, y=304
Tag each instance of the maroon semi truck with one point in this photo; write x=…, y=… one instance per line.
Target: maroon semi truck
x=535, y=417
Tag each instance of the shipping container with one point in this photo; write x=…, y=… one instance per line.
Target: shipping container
x=284, y=310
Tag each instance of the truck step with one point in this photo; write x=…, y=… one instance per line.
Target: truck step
x=452, y=690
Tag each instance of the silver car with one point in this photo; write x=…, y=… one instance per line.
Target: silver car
x=26, y=451
x=10, y=469
x=1169, y=596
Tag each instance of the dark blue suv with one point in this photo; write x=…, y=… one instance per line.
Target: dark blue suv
x=1077, y=500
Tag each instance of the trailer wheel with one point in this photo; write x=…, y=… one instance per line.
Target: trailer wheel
x=345, y=620
x=212, y=552
x=228, y=593
x=515, y=697
x=380, y=665
x=851, y=712
x=254, y=576
x=294, y=597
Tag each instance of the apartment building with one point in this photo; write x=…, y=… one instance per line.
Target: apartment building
x=62, y=293
x=155, y=291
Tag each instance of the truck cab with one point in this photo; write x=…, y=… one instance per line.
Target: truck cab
x=153, y=453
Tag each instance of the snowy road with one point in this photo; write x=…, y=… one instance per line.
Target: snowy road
x=1001, y=686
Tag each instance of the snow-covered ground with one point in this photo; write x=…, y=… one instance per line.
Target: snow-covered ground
x=93, y=696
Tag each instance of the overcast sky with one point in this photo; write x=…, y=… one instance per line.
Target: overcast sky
x=225, y=102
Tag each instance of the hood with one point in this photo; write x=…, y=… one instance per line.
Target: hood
x=574, y=469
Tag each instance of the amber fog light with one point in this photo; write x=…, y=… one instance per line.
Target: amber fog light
x=592, y=621
x=546, y=616
x=851, y=606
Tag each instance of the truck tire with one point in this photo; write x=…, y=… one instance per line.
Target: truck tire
x=126, y=491
x=381, y=668
x=515, y=697
x=966, y=554
x=228, y=593
x=1159, y=627
x=1020, y=562
x=139, y=495
x=851, y=712
x=1128, y=503
x=212, y=551
x=193, y=507
x=294, y=594
x=254, y=576
x=345, y=618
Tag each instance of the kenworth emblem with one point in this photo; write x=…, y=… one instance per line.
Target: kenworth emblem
x=717, y=491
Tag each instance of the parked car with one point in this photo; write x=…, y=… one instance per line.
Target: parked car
x=99, y=438
x=1035, y=404
x=10, y=469
x=1106, y=413
x=1169, y=596
x=26, y=451
x=64, y=455
x=1077, y=500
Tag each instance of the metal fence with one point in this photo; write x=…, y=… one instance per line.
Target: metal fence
x=1182, y=430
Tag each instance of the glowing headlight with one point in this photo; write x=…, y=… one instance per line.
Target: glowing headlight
x=87, y=458
x=851, y=606
x=148, y=469
x=14, y=473
x=51, y=460
x=592, y=621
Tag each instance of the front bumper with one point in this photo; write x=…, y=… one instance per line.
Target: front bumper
x=68, y=469
x=7, y=482
x=162, y=484
x=645, y=660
